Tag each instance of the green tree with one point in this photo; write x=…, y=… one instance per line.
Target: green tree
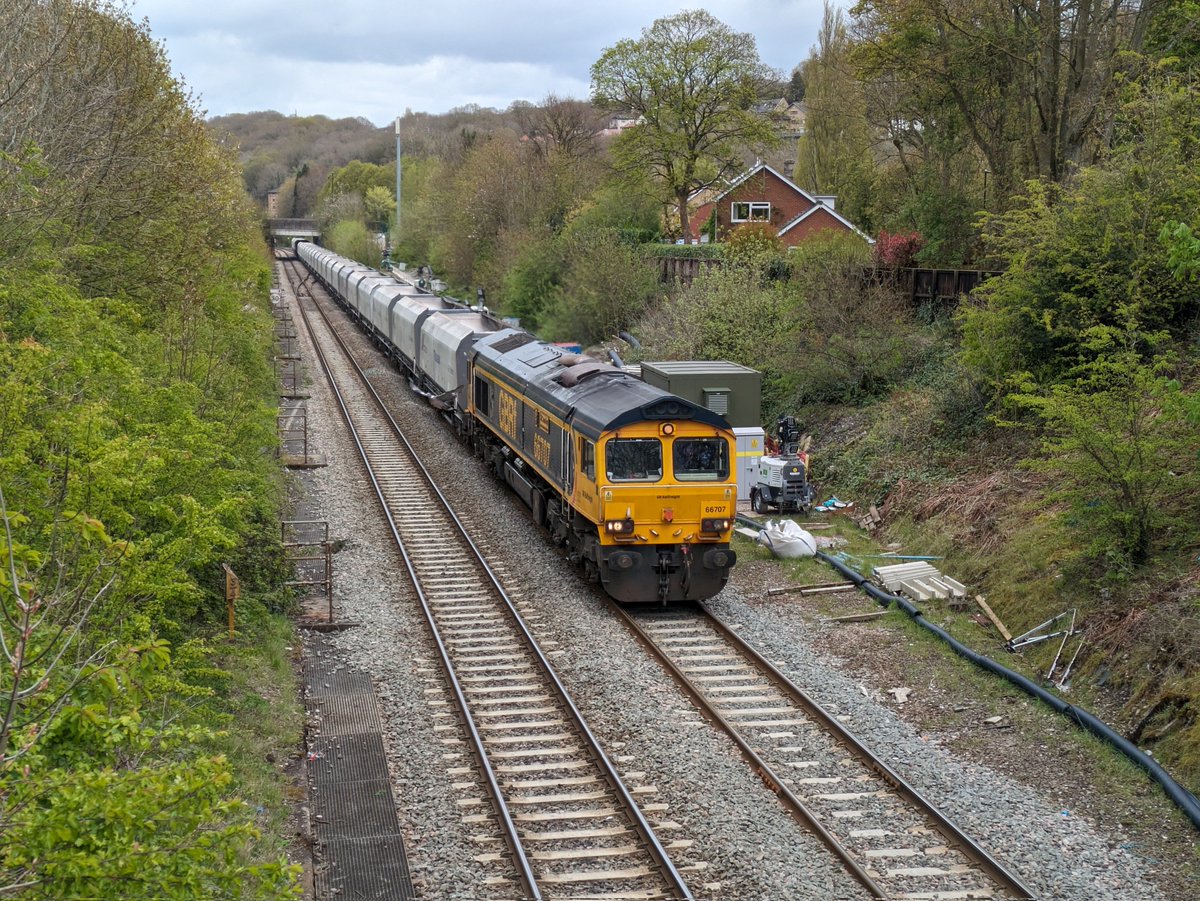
x=380, y=204
x=833, y=155
x=357, y=177
x=1119, y=441
x=134, y=340
x=532, y=283
x=1091, y=253
x=352, y=239
x=1174, y=33
x=1031, y=86
x=692, y=83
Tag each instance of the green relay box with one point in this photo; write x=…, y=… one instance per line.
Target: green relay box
x=730, y=389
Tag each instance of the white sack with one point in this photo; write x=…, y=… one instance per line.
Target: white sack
x=786, y=539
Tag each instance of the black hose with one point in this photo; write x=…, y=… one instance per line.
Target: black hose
x=1183, y=798
x=630, y=340
x=617, y=361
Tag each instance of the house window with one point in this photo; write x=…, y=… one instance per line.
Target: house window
x=756, y=211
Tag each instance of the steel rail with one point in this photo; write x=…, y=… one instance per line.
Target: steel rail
x=769, y=777
x=509, y=829
x=641, y=826
x=986, y=864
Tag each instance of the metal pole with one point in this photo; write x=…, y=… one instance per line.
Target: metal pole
x=397, y=226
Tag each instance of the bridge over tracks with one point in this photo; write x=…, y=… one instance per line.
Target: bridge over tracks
x=282, y=231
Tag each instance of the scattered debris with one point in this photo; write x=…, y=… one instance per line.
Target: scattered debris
x=787, y=540
x=817, y=588
x=901, y=694
x=871, y=520
x=1062, y=682
x=983, y=605
x=834, y=504
x=1057, y=654
x=1037, y=633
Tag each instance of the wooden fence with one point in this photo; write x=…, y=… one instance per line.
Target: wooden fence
x=919, y=285
x=682, y=269
x=922, y=285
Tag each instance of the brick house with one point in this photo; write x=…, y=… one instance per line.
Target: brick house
x=763, y=195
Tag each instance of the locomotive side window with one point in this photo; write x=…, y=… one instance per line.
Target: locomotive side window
x=633, y=459
x=700, y=459
x=587, y=459
x=482, y=396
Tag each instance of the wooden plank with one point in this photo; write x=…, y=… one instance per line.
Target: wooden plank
x=857, y=617
x=811, y=589
x=983, y=605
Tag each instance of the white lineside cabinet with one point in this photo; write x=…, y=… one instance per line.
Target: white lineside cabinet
x=751, y=444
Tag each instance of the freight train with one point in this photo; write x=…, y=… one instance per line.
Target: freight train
x=638, y=484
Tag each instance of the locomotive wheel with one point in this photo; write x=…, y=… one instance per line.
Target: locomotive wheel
x=758, y=502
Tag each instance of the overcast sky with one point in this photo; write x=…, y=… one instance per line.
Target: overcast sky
x=376, y=59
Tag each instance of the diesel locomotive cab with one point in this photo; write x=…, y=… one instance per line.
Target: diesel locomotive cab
x=667, y=511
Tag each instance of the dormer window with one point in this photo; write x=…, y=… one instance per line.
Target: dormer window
x=754, y=211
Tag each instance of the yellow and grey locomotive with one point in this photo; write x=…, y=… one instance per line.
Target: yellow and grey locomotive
x=638, y=484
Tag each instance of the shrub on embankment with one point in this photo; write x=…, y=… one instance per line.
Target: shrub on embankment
x=136, y=436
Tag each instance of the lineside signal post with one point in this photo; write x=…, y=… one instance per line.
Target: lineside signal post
x=233, y=591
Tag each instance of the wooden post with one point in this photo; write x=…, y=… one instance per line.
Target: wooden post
x=233, y=590
x=983, y=605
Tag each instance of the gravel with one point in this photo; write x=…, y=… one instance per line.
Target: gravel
x=736, y=840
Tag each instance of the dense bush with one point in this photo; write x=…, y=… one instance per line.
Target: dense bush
x=136, y=422
x=606, y=287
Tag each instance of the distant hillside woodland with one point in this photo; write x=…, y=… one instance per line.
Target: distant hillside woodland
x=1041, y=435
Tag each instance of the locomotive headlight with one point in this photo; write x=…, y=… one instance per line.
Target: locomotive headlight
x=618, y=526
x=714, y=525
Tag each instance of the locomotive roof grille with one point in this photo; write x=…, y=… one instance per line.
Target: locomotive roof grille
x=512, y=342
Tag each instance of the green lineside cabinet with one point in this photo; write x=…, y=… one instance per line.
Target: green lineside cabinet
x=730, y=389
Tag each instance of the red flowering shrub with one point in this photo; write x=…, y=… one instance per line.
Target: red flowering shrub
x=897, y=251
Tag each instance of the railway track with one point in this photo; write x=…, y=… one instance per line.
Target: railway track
x=564, y=823
x=889, y=837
